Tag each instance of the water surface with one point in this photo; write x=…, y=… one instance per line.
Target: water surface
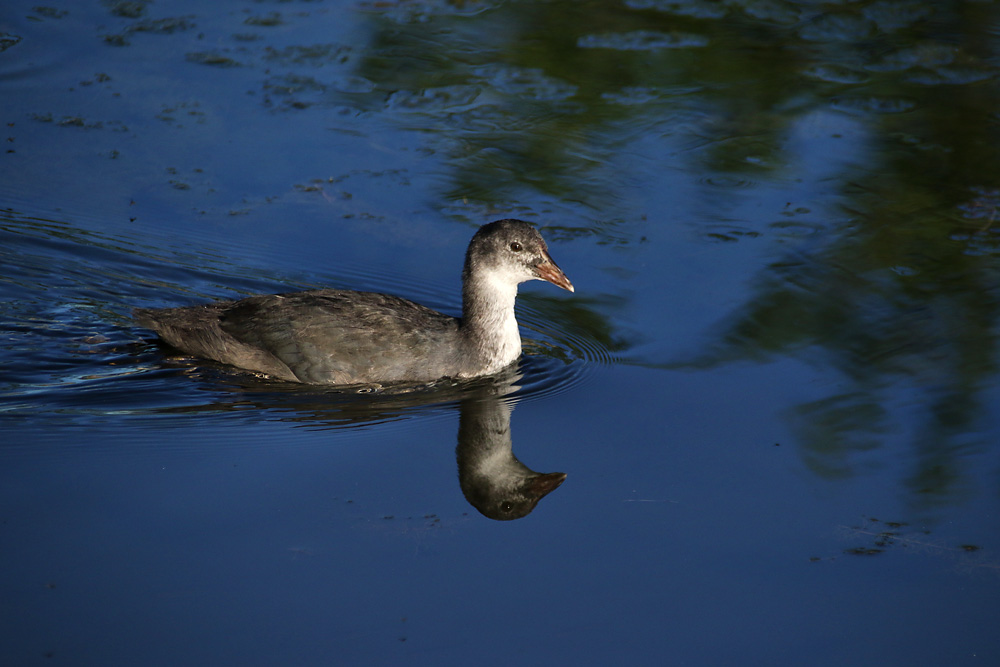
x=773, y=393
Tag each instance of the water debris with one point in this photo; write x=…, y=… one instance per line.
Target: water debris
x=8, y=40
x=883, y=535
x=268, y=20
x=50, y=12
x=129, y=9
x=212, y=58
x=165, y=26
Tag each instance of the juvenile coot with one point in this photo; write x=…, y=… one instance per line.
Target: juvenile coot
x=342, y=337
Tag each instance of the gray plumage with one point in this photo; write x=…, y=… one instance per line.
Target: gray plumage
x=342, y=337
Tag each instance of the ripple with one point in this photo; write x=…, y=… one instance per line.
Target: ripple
x=795, y=229
x=545, y=376
x=525, y=82
x=922, y=55
x=951, y=76
x=415, y=12
x=185, y=387
x=87, y=369
x=722, y=181
x=836, y=74
x=562, y=349
x=773, y=12
x=316, y=55
x=297, y=91
x=433, y=100
x=290, y=84
x=642, y=40
x=879, y=105
x=164, y=26
x=558, y=356
x=72, y=353
x=631, y=95
x=701, y=9
x=832, y=27
x=897, y=15
x=983, y=206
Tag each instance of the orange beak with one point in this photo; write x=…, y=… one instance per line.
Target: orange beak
x=547, y=270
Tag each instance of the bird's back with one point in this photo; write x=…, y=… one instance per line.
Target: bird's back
x=318, y=336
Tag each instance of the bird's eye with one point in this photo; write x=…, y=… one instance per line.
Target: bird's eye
x=515, y=246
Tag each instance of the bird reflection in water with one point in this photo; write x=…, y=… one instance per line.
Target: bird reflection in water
x=493, y=480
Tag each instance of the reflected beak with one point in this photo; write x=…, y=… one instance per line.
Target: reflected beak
x=547, y=270
x=547, y=483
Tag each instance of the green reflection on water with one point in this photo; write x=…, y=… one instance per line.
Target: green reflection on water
x=528, y=103
x=897, y=292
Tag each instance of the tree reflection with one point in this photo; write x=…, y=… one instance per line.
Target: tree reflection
x=900, y=297
x=896, y=289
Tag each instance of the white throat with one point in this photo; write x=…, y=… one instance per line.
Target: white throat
x=493, y=324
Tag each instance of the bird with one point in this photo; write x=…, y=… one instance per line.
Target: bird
x=493, y=480
x=345, y=337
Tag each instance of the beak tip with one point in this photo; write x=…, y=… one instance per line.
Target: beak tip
x=549, y=271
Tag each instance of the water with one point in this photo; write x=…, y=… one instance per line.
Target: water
x=773, y=392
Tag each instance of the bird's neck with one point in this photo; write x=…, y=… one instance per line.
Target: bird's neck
x=488, y=323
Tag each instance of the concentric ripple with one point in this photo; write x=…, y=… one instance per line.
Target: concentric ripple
x=73, y=353
x=563, y=347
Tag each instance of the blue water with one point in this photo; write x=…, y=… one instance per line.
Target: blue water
x=773, y=391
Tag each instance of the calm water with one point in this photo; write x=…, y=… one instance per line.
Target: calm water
x=775, y=392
